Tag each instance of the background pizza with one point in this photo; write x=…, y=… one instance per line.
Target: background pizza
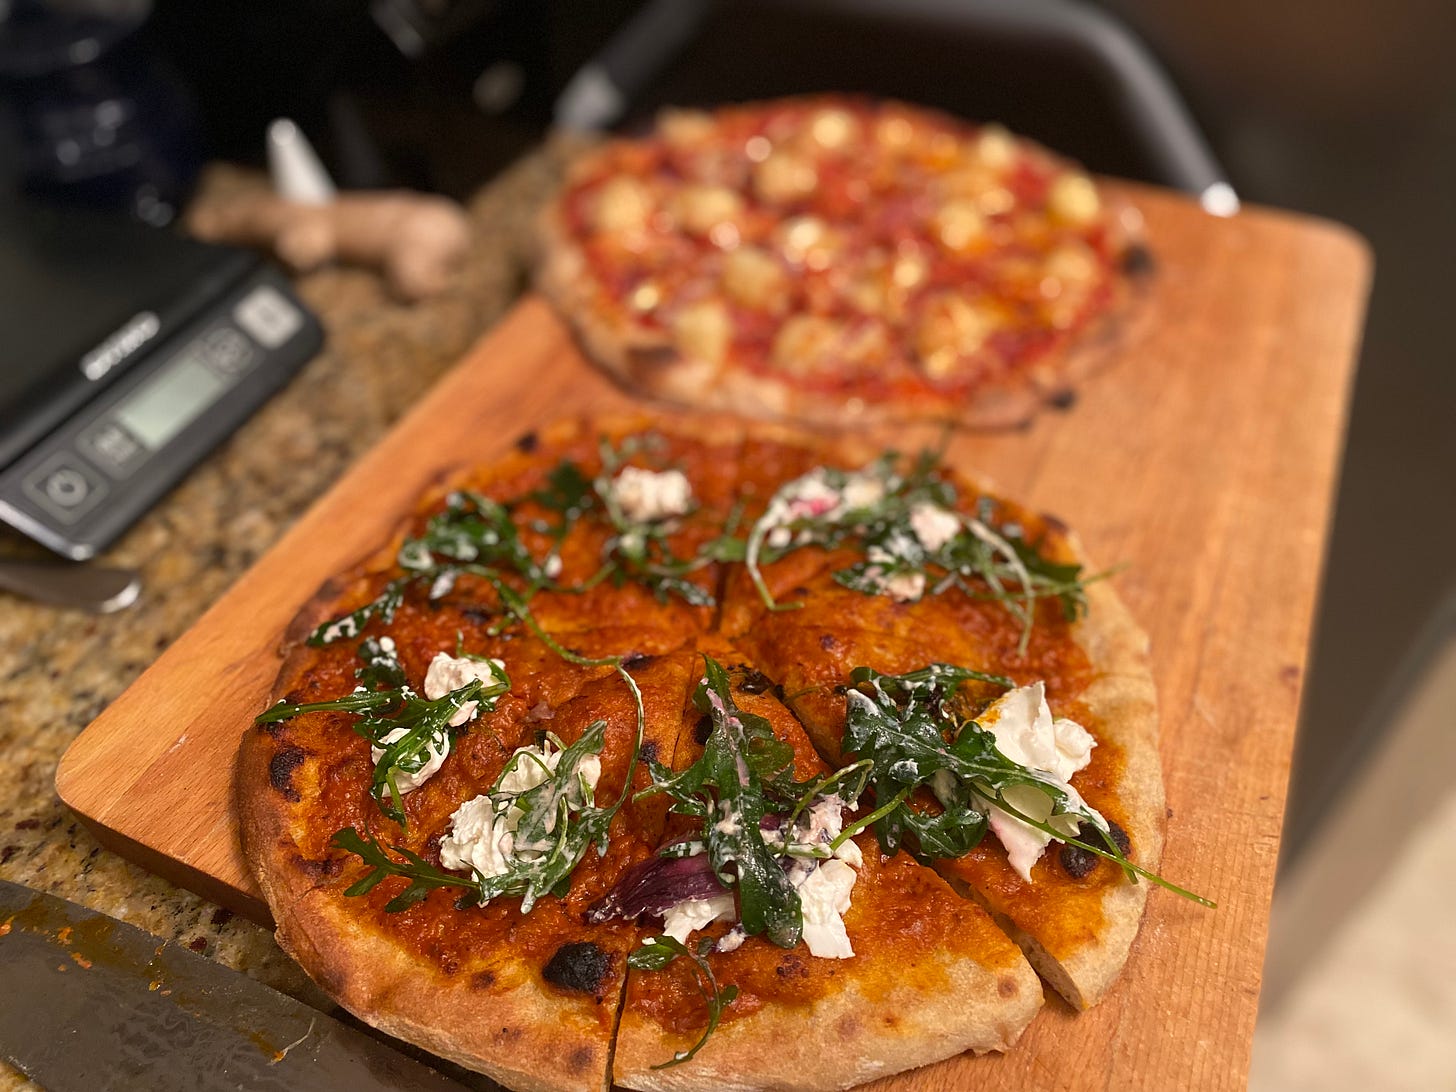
x=832, y=258
x=581, y=587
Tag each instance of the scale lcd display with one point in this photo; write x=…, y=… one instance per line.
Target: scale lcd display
x=168, y=403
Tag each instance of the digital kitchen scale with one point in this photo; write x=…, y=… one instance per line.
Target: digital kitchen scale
x=127, y=353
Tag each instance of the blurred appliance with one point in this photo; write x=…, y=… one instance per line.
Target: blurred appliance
x=129, y=353
x=90, y=113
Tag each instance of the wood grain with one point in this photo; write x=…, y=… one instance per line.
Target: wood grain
x=1204, y=461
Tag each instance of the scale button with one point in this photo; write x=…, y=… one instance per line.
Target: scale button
x=64, y=487
x=113, y=448
x=268, y=316
x=226, y=351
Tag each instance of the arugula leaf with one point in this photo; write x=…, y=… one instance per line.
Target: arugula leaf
x=659, y=951
x=383, y=607
x=873, y=510
x=423, y=724
x=639, y=549
x=915, y=731
x=423, y=876
x=726, y=789
x=382, y=669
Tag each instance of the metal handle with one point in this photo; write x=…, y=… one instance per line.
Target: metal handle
x=86, y=587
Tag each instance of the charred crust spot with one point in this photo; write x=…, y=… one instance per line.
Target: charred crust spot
x=649, y=751
x=1119, y=836
x=280, y=771
x=272, y=728
x=1078, y=863
x=636, y=659
x=197, y=944
x=329, y=866
x=482, y=980
x=791, y=966
x=1007, y=987
x=1138, y=261
x=579, y=966
x=580, y=1059
x=752, y=680
x=528, y=442
x=703, y=729
x=827, y=642
x=1063, y=399
x=477, y=615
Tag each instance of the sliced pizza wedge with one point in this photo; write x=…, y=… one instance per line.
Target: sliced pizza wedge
x=420, y=927
x=884, y=968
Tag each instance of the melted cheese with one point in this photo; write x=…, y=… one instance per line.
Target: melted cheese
x=646, y=495
x=933, y=525
x=950, y=327
x=702, y=331
x=622, y=204
x=806, y=343
x=438, y=748
x=690, y=915
x=700, y=209
x=482, y=832
x=754, y=278
x=447, y=673
x=824, y=897
x=1025, y=732
x=784, y=177
x=1073, y=199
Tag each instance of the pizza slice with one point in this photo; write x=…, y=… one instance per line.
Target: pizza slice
x=453, y=911
x=876, y=569
x=879, y=965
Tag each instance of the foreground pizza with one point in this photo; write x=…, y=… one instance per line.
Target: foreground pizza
x=693, y=756
x=831, y=258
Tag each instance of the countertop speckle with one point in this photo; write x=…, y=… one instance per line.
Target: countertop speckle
x=59, y=669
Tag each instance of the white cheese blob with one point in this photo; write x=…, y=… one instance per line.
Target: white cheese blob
x=691, y=915
x=447, y=673
x=649, y=495
x=732, y=940
x=823, y=883
x=824, y=886
x=862, y=491
x=1025, y=732
x=478, y=839
x=437, y=748
x=824, y=897
x=821, y=823
x=482, y=832
x=901, y=587
x=933, y=525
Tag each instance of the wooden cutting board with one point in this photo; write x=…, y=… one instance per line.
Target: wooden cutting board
x=1204, y=461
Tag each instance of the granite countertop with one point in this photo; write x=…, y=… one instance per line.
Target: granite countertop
x=59, y=669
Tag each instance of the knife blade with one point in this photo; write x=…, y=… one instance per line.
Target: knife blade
x=92, y=1003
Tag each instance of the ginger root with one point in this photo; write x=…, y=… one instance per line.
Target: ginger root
x=418, y=241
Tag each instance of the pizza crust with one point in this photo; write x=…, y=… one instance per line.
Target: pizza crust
x=523, y=1037
x=856, y=1037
